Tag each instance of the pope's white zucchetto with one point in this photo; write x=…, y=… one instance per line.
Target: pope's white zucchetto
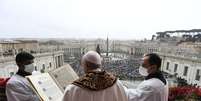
x=93, y=57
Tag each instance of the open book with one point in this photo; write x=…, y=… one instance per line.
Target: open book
x=50, y=86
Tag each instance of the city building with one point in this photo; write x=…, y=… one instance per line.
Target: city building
x=44, y=60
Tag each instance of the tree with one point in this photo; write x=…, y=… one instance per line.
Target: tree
x=187, y=37
x=153, y=37
x=197, y=37
x=161, y=35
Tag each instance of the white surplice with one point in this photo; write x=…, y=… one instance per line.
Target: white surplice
x=149, y=90
x=19, y=89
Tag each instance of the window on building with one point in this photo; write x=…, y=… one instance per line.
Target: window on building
x=197, y=77
x=167, y=66
x=185, y=70
x=56, y=61
x=43, y=69
x=175, y=67
x=43, y=66
x=59, y=61
x=50, y=64
x=35, y=68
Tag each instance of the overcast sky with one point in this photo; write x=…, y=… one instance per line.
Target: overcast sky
x=119, y=19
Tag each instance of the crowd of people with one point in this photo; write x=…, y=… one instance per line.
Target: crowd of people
x=126, y=69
